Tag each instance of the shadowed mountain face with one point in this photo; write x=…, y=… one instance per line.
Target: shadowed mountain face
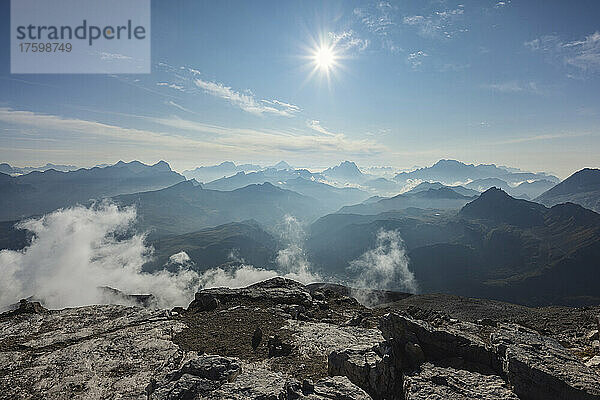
x=233, y=242
x=495, y=247
x=449, y=171
x=443, y=198
x=497, y=206
x=42, y=192
x=188, y=207
x=583, y=188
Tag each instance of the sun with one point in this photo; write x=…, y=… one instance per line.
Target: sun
x=324, y=58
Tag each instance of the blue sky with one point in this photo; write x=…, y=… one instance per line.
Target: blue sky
x=509, y=82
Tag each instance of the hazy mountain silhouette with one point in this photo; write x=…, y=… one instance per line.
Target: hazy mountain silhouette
x=42, y=192
x=442, y=198
x=11, y=170
x=347, y=171
x=531, y=190
x=212, y=172
x=450, y=171
x=583, y=188
x=188, y=207
x=483, y=184
x=437, y=185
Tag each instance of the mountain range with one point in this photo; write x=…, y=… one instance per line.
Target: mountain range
x=451, y=171
x=495, y=246
x=41, y=192
x=12, y=170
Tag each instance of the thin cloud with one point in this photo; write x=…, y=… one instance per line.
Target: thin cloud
x=513, y=87
x=538, y=138
x=171, y=85
x=246, y=101
x=582, y=56
x=347, y=41
x=416, y=59
x=378, y=20
x=315, y=125
x=437, y=24
x=213, y=139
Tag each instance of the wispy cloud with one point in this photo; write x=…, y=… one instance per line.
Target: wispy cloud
x=246, y=101
x=537, y=138
x=582, y=56
x=416, y=59
x=171, y=85
x=315, y=125
x=206, y=139
x=347, y=41
x=513, y=87
x=437, y=24
x=378, y=20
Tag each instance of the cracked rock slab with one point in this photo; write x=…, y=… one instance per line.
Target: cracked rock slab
x=437, y=383
x=539, y=367
x=85, y=353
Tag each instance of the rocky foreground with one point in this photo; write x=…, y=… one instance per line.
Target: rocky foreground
x=279, y=339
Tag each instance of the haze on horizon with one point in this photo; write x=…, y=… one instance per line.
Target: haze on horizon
x=311, y=83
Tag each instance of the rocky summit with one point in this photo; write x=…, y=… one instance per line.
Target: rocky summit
x=279, y=339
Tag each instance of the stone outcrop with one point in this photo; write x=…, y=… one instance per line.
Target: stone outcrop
x=438, y=383
x=539, y=368
x=533, y=366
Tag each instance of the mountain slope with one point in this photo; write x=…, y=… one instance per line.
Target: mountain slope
x=236, y=241
x=583, y=188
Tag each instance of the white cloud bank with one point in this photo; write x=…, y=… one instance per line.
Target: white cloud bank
x=78, y=250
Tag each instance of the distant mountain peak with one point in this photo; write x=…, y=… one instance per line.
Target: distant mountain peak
x=282, y=165
x=346, y=169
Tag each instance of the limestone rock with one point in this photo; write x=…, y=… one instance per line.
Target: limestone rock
x=85, y=353
x=538, y=367
x=373, y=370
x=276, y=290
x=436, y=383
x=199, y=376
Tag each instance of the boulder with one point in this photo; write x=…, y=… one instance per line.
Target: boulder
x=373, y=370
x=276, y=291
x=197, y=377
